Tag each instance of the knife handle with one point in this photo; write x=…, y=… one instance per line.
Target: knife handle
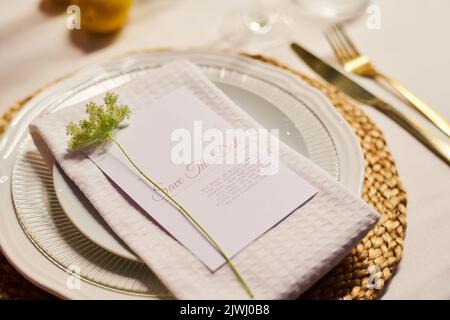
x=436, y=145
x=435, y=118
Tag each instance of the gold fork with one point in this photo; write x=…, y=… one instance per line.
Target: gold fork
x=353, y=61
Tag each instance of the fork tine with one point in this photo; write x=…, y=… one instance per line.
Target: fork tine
x=348, y=55
x=337, y=51
x=338, y=46
x=346, y=40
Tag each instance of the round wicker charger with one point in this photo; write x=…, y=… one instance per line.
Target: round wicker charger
x=367, y=268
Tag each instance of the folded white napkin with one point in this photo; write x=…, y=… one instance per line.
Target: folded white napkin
x=282, y=263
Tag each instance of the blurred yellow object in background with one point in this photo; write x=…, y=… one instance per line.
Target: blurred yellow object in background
x=103, y=16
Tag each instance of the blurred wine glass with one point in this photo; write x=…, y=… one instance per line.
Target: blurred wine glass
x=256, y=25
x=259, y=25
x=332, y=9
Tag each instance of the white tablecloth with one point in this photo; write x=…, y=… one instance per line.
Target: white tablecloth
x=411, y=45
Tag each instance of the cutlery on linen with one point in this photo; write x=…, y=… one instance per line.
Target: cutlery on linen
x=355, y=62
x=354, y=90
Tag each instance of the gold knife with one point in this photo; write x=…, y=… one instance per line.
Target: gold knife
x=354, y=90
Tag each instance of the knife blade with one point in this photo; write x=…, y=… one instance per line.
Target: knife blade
x=357, y=92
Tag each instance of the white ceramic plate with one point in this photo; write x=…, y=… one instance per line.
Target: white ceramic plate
x=32, y=204
x=84, y=216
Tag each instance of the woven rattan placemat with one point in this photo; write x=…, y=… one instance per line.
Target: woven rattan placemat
x=367, y=268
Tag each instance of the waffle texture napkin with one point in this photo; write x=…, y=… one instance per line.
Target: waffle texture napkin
x=281, y=264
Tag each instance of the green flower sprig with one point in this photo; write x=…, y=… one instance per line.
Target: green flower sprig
x=98, y=128
x=99, y=125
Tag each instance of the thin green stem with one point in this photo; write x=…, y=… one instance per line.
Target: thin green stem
x=189, y=217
